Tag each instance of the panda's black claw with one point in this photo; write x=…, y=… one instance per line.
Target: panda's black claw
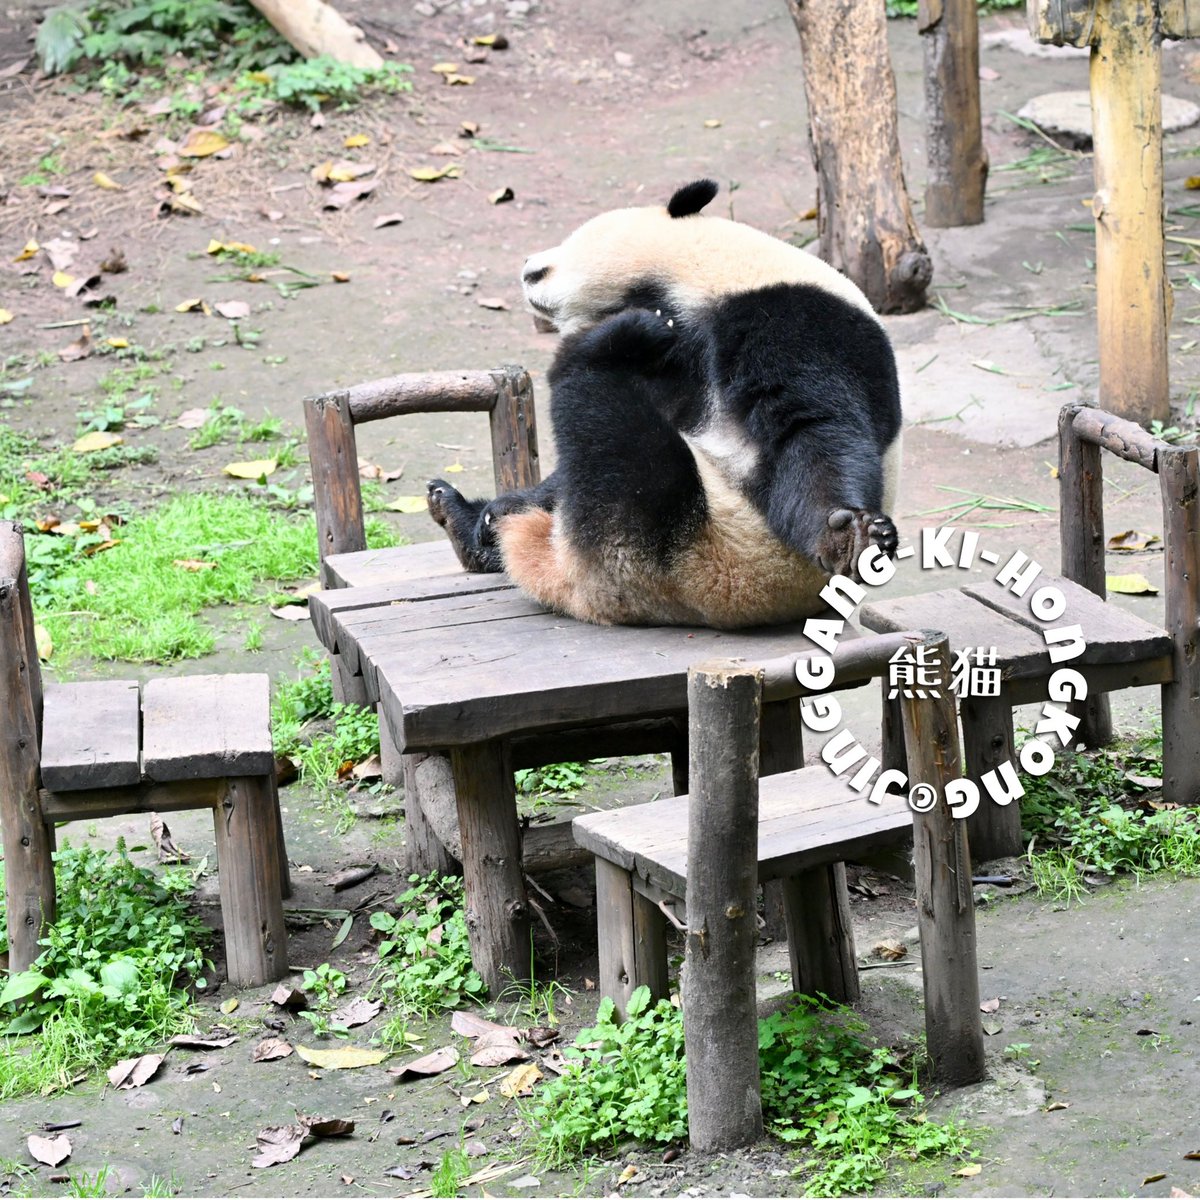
x=848, y=533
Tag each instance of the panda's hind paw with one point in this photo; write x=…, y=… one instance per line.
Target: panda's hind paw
x=848, y=533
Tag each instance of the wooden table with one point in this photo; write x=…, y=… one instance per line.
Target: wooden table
x=466, y=666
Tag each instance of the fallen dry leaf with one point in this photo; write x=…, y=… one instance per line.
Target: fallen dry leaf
x=98, y=439
x=346, y=193
x=455, y=80
x=81, y=347
x=1127, y=585
x=1057, y=1106
x=342, y=1058
x=409, y=504
x=289, y=997
x=5, y=316
x=493, y=302
x=256, y=468
x=168, y=852
x=520, y=1081
x=30, y=249
x=1131, y=541
x=133, y=1072
x=230, y=1005
x=44, y=643
x=340, y=276
x=444, y=68
x=501, y=196
x=357, y=1012
x=370, y=470
x=279, y=1144
x=191, y=304
x=291, y=612
x=326, y=1127
x=989, y=1006
x=270, y=1049
x=387, y=219
x=192, y=418
x=233, y=310
x=428, y=1064
x=890, y=950
x=193, y=1041
x=712, y=123
x=50, y=1151
x=200, y=143
x=61, y=252
x=496, y=1049
x=970, y=1170
x=369, y=768
x=355, y=140
x=433, y=174
x=117, y=343
x=107, y=182
x=194, y=564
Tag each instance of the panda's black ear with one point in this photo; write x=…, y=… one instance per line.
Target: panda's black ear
x=692, y=197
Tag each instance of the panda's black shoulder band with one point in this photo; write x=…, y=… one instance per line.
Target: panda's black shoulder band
x=692, y=197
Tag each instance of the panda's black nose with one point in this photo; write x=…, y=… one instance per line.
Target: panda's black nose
x=533, y=275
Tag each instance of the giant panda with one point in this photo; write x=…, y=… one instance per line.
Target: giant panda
x=727, y=418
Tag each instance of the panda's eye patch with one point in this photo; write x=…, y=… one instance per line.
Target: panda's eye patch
x=535, y=275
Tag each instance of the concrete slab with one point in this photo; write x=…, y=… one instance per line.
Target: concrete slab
x=1069, y=114
x=991, y=384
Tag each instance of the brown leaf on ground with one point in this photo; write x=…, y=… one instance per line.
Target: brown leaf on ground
x=890, y=950
x=133, y=1072
x=81, y=347
x=520, y=1081
x=541, y=1036
x=428, y=1064
x=279, y=1144
x=232, y=310
x=326, y=1127
x=115, y=263
x=493, y=302
x=496, y=1049
x=192, y=418
x=191, y=1041
x=989, y=1006
x=343, y=194
x=61, y=252
x=168, y=852
x=473, y=1026
x=286, y=996
x=200, y=143
x=50, y=1151
x=388, y=219
x=501, y=196
x=357, y=1012
x=270, y=1049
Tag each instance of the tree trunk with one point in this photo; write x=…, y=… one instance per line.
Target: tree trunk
x=864, y=217
x=317, y=28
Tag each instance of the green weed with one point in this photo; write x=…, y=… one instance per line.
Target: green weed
x=224, y=424
x=1098, y=812
x=354, y=739
x=297, y=702
x=310, y=83
x=325, y=983
x=851, y=1106
x=425, y=957
x=84, y=1184
x=449, y=1174
x=109, y=982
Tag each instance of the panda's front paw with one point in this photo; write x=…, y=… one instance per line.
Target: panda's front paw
x=850, y=531
x=441, y=497
x=633, y=338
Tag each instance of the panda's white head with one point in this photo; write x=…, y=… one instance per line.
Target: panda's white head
x=622, y=258
x=592, y=274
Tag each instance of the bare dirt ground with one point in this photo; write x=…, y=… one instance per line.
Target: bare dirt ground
x=599, y=107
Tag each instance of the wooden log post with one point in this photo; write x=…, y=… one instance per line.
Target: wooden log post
x=987, y=726
x=428, y=779
x=1133, y=297
x=957, y=164
x=248, y=857
x=28, y=866
x=942, y=864
x=514, y=432
x=316, y=28
x=719, y=1003
x=864, y=218
x=1081, y=536
x=1179, y=477
x=498, y=923
x=632, y=938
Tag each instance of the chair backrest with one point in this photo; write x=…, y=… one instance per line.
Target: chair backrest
x=1082, y=433
x=506, y=395
x=21, y=671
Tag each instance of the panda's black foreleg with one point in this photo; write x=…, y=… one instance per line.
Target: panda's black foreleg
x=823, y=499
x=469, y=523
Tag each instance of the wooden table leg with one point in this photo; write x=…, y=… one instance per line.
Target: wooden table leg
x=632, y=938
x=994, y=830
x=497, y=907
x=780, y=748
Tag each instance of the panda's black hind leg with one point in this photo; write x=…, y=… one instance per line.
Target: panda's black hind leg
x=463, y=520
x=847, y=533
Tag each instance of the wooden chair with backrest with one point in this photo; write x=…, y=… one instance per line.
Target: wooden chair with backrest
x=506, y=395
x=700, y=857
x=1122, y=650
x=82, y=751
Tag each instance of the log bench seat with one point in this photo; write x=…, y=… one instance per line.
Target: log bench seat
x=84, y=751
x=808, y=819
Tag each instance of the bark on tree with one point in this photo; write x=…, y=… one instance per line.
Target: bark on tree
x=864, y=217
x=317, y=28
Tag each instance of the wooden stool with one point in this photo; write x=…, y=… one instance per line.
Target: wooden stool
x=80, y=751
x=1121, y=651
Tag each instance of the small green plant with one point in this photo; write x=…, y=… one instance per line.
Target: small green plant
x=449, y=1175
x=224, y=424
x=158, y=1187
x=851, y=1106
x=354, y=739
x=312, y=82
x=110, y=981
x=561, y=778
x=1015, y=1051
x=322, y=1026
x=1057, y=877
x=252, y=643
x=536, y=1002
x=250, y=260
x=84, y=1184
x=297, y=702
x=425, y=956
x=325, y=983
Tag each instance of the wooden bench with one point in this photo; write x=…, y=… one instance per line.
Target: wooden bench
x=1122, y=650
x=707, y=851
x=82, y=751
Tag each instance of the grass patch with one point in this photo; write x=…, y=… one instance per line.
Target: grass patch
x=853, y=1108
x=425, y=958
x=135, y=602
x=1100, y=812
x=110, y=977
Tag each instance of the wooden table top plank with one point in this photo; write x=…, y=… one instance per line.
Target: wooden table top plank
x=1113, y=634
x=454, y=687
x=802, y=814
x=91, y=735
x=206, y=726
x=395, y=564
x=968, y=624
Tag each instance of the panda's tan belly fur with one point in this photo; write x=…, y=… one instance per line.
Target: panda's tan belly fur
x=735, y=574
